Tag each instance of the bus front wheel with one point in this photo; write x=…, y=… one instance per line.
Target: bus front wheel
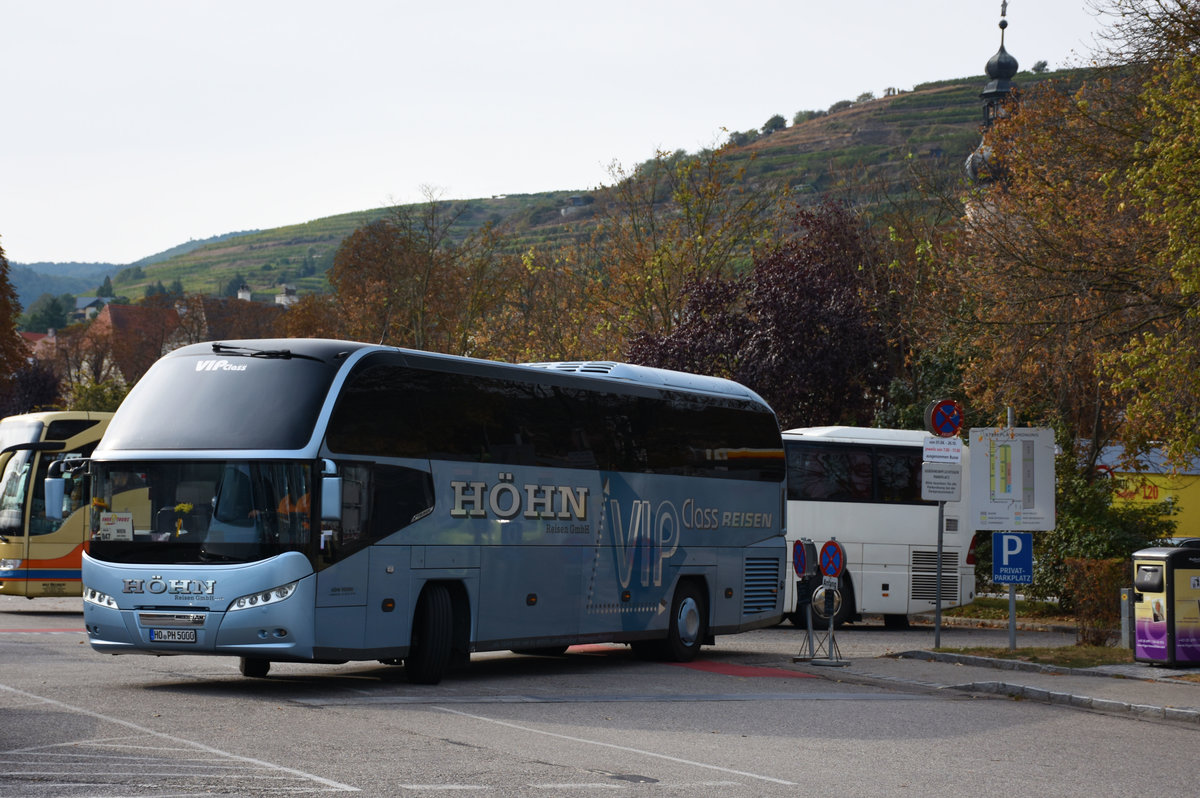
x=254, y=668
x=429, y=647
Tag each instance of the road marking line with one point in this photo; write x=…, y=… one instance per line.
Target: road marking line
x=201, y=746
x=625, y=748
x=443, y=787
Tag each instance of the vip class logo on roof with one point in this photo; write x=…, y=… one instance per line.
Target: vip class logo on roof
x=219, y=365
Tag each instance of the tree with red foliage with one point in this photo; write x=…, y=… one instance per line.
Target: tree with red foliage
x=797, y=329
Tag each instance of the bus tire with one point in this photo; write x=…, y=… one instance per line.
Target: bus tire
x=254, y=667
x=689, y=623
x=432, y=636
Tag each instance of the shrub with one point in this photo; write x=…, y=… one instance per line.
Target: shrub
x=1096, y=587
x=1089, y=526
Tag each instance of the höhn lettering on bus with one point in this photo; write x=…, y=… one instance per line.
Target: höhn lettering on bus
x=636, y=526
x=505, y=500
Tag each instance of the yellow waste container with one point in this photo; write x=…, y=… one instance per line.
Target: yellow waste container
x=1166, y=583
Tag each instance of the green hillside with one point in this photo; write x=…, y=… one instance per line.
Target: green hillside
x=841, y=153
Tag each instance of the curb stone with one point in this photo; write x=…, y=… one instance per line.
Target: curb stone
x=1106, y=705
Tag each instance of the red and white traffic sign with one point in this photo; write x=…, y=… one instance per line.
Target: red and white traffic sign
x=944, y=418
x=833, y=559
x=799, y=558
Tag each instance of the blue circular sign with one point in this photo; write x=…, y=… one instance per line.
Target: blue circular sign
x=944, y=418
x=833, y=558
x=799, y=558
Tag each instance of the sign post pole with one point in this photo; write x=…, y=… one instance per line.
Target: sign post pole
x=937, y=612
x=1012, y=587
x=1012, y=564
x=832, y=562
x=941, y=479
x=1012, y=617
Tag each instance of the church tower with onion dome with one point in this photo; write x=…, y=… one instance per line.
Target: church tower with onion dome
x=999, y=92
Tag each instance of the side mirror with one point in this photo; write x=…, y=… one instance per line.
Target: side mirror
x=56, y=489
x=331, y=492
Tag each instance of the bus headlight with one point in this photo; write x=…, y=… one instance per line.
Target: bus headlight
x=272, y=596
x=9, y=565
x=99, y=599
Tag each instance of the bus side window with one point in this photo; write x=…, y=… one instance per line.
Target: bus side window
x=401, y=494
x=377, y=500
x=899, y=475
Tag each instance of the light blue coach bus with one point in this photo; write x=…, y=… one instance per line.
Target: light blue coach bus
x=326, y=501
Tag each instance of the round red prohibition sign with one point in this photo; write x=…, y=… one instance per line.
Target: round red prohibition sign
x=833, y=559
x=799, y=558
x=944, y=418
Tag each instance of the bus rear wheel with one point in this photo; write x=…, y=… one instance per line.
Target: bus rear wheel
x=686, y=631
x=689, y=623
x=254, y=668
x=429, y=647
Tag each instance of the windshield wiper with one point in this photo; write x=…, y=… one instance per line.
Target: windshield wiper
x=272, y=354
x=208, y=556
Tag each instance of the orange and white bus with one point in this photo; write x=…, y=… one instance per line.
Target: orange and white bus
x=40, y=556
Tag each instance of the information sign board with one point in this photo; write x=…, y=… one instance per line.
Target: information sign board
x=942, y=450
x=941, y=482
x=1012, y=478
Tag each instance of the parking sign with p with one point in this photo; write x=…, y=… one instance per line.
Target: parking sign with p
x=1012, y=558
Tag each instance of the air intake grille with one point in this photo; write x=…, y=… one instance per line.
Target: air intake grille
x=577, y=367
x=760, y=586
x=924, y=576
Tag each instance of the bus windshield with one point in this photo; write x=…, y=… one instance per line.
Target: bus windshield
x=200, y=511
x=222, y=395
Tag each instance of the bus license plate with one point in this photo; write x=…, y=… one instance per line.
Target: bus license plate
x=173, y=635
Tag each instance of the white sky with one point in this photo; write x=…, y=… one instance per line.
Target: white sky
x=131, y=126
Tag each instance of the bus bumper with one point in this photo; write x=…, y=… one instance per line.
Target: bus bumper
x=279, y=632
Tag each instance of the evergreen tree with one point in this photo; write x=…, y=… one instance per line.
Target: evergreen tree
x=13, y=353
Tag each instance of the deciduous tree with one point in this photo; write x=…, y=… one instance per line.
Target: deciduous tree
x=1159, y=369
x=409, y=280
x=797, y=328
x=1049, y=271
x=677, y=220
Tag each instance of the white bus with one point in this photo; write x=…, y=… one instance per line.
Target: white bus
x=326, y=501
x=40, y=556
x=863, y=487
